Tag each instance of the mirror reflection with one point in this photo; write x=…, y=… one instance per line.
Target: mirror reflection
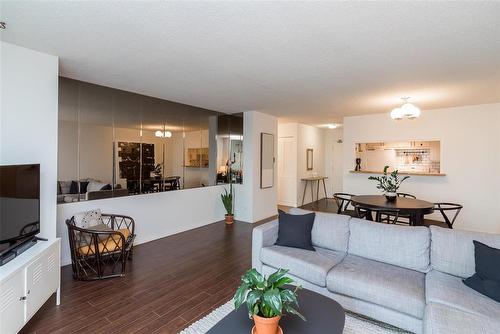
x=115, y=143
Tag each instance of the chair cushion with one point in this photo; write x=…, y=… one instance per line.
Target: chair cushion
x=449, y=290
x=295, y=230
x=441, y=319
x=452, y=251
x=330, y=230
x=111, y=243
x=383, y=284
x=403, y=246
x=307, y=265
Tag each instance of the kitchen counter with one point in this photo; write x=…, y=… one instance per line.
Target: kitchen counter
x=399, y=173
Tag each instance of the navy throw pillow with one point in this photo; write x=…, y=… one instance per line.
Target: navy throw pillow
x=295, y=230
x=486, y=280
x=106, y=187
x=73, y=189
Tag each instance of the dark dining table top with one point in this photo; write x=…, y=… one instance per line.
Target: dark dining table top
x=401, y=203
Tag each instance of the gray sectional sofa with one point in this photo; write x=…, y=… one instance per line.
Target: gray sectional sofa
x=409, y=277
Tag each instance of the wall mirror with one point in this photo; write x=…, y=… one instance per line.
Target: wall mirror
x=113, y=143
x=266, y=160
x=309, y=159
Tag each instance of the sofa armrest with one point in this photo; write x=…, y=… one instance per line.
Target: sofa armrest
x=263, y=236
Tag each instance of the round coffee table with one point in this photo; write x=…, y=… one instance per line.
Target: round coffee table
x=414, y=208
x=323, y=315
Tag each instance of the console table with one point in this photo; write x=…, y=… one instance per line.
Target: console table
x=311, y=181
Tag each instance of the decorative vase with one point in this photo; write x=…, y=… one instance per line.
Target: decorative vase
x=266, y=325
x=391, y=196
x=229, y=219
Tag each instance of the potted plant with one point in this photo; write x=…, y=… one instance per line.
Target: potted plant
x=267, y=299
x=227, y=200
x=389, y=183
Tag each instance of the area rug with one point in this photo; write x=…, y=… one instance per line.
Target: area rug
x=354, y=323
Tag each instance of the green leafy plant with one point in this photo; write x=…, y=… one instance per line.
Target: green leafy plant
x=227, y=197
x=266, y=296
x=388, y=182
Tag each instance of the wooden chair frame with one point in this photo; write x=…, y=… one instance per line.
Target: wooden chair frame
x=443, y=207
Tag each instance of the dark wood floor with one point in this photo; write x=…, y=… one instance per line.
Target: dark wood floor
x=170, y=283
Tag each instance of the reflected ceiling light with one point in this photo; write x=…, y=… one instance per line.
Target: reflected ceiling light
x=407, y=110
x=333, y=126
x=163, y=134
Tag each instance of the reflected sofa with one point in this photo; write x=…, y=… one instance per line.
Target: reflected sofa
x=409, y=277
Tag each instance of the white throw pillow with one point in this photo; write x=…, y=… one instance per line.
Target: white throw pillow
x=88, y=219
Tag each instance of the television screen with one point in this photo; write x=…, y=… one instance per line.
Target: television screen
x=19, y=203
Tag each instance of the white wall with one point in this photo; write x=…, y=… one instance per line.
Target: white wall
x=470, y=138
x=333, y=161
x=28, y=120
x=252, y=203
x=310, y=137
x=156, y=215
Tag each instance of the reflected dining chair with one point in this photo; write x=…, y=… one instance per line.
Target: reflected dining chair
x=445, y=209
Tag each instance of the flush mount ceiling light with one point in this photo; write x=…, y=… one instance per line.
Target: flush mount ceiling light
x=163, y=134
x=407, y=110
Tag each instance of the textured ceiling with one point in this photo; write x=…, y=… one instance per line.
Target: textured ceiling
x=312, y=62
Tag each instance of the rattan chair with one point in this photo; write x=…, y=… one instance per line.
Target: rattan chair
x=444, y=208
x=101, y=251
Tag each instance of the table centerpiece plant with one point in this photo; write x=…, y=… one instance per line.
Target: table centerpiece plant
x=389, y=183
x=267, y=299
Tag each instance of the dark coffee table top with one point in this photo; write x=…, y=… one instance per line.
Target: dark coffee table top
x=323, y=315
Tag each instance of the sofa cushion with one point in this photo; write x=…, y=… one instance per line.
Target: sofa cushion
x=452, y=251
x=441, y=319
x=449, y=290
x=330, y=230
x=295, y=230
x=380, y=283
x=486, y=280
x=402, y=246
x=308, y=265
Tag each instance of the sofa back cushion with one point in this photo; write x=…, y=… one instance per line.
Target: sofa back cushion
x=330, y=230
x=403, y=246
x=452, y=251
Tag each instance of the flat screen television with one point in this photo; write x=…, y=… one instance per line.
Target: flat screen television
x=19, y=205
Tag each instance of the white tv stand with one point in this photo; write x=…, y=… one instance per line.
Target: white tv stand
x=27, y=282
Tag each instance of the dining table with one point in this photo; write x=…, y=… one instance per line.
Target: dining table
x=415, y=209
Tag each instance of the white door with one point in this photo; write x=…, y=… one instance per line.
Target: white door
x=287, y=171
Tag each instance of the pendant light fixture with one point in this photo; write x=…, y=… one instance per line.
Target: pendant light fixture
x=407, y=110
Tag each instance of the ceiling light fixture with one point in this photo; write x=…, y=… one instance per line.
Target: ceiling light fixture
x=333, y=126
x=163, y=134
x=407, y=110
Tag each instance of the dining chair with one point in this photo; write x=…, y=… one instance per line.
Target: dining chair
x=344, y=205
x=388, y=216
x=406, y=195
x=444, y=208
x=403, y=218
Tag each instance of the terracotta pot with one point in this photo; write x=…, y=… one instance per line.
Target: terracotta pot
x=266, y=325
x=229, y=219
